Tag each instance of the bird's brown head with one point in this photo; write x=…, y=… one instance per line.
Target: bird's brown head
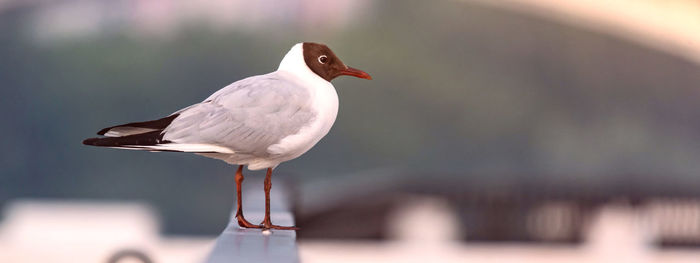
x=322, y=61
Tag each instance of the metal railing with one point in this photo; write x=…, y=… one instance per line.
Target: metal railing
x=253, y=245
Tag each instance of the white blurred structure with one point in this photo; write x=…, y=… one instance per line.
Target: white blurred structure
x=424, y=230
x=425, y=233
x=82, y=231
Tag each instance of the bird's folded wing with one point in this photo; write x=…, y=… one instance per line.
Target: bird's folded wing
x=247, y=116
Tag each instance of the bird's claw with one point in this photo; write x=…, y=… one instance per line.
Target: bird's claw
x=245, y=224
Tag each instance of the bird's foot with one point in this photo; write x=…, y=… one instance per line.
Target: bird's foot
x=267, y=224
x=280, y=227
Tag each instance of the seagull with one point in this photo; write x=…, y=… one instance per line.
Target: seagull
x=258, y=122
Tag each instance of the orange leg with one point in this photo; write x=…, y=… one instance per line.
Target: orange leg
x=267, y=223
x=239, y=203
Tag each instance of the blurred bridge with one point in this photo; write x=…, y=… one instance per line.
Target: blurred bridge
x=670, y=26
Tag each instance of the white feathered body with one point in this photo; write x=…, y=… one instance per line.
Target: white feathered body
x=293, y=109
x=260, y=121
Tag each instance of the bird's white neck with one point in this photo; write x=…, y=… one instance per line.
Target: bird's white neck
x=294, y=63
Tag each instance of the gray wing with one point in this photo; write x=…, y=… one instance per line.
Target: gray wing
x=247, y=116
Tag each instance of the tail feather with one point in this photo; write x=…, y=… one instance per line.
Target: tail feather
x=148, y=135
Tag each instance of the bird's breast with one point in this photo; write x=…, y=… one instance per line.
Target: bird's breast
x=324, y=104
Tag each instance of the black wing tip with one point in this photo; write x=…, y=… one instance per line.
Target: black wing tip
x=141, y=139
x=158, y=124
x=146, y=138
x=103, y=131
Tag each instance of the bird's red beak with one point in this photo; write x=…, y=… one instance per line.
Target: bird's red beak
x=355, y=73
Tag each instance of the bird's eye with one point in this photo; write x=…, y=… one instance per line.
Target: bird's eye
x=323, y=59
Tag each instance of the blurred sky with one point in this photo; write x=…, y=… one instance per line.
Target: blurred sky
x=504, y=92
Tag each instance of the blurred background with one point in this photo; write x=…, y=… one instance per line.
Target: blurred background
x=498, y=131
